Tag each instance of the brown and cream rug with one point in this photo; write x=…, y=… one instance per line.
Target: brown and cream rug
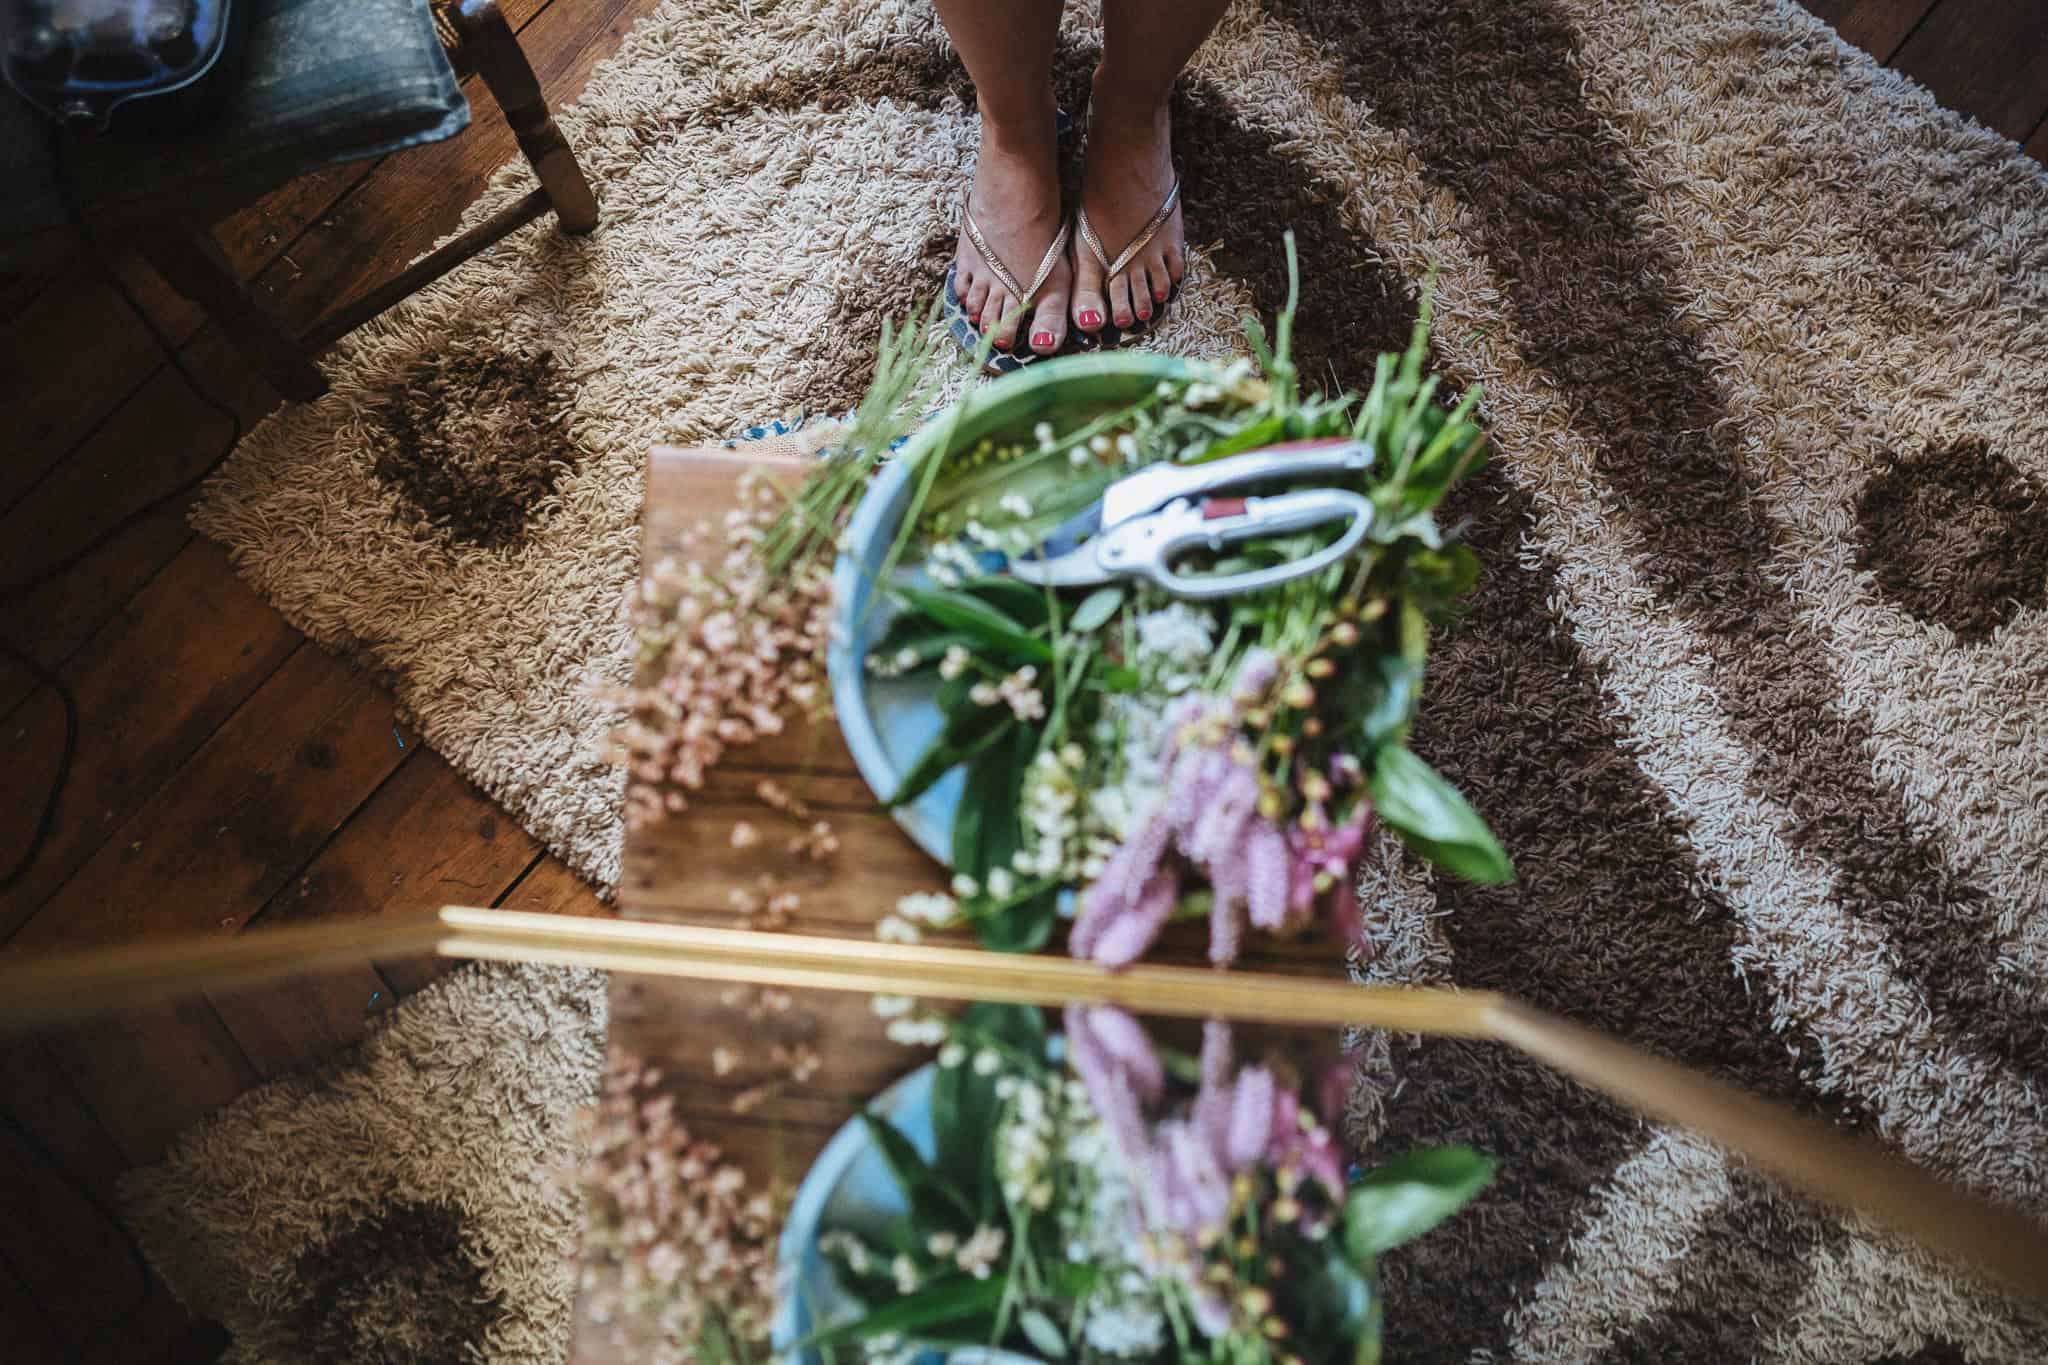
x=406, y=1202
x=1755, y=688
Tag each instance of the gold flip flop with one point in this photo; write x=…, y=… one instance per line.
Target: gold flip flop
x=1111, y=334
x=963, y=329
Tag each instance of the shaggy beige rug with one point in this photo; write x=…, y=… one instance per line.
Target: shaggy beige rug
x=404, y=1203
x=1755, y=688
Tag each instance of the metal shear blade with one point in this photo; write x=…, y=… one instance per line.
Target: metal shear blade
x=1142, y=522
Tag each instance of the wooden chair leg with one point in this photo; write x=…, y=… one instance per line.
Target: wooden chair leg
x=495, y=50
x=188, y=257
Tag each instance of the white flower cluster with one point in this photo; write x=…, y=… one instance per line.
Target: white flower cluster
x=1024, y=1143
x=979, y=1253
x=1052, y=799
x=1206, y=394
x=1121, y=799
x=1007, y=541
x=1018, y=690
x=890, y=1348
x=1174, y=646
x=892, y=665
x=1126, y=1322
x=916, y=912
x=907, y=1027
x=950, y=563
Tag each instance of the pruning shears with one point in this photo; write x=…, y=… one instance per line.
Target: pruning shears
x=1143, y=521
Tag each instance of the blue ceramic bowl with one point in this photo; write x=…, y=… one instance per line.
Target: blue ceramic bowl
x=849, y=1187
x=888, y=722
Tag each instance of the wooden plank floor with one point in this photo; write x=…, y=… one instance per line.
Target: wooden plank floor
x=230, y=772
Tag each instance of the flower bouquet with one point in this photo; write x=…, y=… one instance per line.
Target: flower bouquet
x=1196, y=711
x=1089, y=1198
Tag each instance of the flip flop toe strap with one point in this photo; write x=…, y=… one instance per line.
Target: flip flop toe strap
x=1002, y=273
x=1111, y=269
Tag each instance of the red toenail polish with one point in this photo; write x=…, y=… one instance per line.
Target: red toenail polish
x=1122, y=320
x=1159, y=295
x=1090, y=318
x=1041, y=340
x=1145, y=313
x=1002, y=345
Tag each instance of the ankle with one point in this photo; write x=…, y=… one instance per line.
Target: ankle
x=1029, y=132
x=1129, y=102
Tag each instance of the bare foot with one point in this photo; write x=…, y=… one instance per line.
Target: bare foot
x=1016, y=203
x=1127, y=175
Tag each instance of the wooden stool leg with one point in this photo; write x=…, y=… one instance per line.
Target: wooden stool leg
x=495, y=49
x=188, y=257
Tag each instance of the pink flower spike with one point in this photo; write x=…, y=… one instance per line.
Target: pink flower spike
x=1268, y=875
x=1127, y=937
x=1115, y=893
x=1226, y=923
x=1251, y=1117
x=1216, y=1054
x=1109, y=1084
x=1333, y=1089
x=1127, y=1045
x=1211, y=1312
x=1226, y=803
x=1203, y=1182
x=1212, y=1101
x=1255, y=673
x=1284, y=1134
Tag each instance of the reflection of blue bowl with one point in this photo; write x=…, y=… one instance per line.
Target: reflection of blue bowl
x=849, y=1187
x=889, y=721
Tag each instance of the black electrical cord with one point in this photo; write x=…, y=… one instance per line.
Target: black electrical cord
x=10, y=592
x=48, y=677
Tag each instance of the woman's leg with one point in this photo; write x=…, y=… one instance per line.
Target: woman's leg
x=1129, y=170
x=1008, y=50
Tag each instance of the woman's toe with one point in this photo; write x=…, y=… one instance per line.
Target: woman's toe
x=975, y=299
x=1159, y=275
x=1049, y=324
x=1120, y=310
x=1090, y=310
x=1141, y=292
x=1000, y=319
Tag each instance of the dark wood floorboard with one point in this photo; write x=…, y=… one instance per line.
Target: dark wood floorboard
x=231, y=772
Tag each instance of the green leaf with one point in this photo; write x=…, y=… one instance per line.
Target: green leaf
x=1043, y=1335
x=1117, y=677
x=1021, y=928
x=1024, y=602
x=1428, y=813
x=969, y=731
x=1248, y=437
x=938, y=1303
x=1075, y=1280
x=1335, y=1301
x=934, y=1204
x=1414, y=628
x=988, y=826
x=1446, y=573
x=992, y=626
x=1408, y=1196
x=1096, y=609
x=964, y=1103
x=1386, y=722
